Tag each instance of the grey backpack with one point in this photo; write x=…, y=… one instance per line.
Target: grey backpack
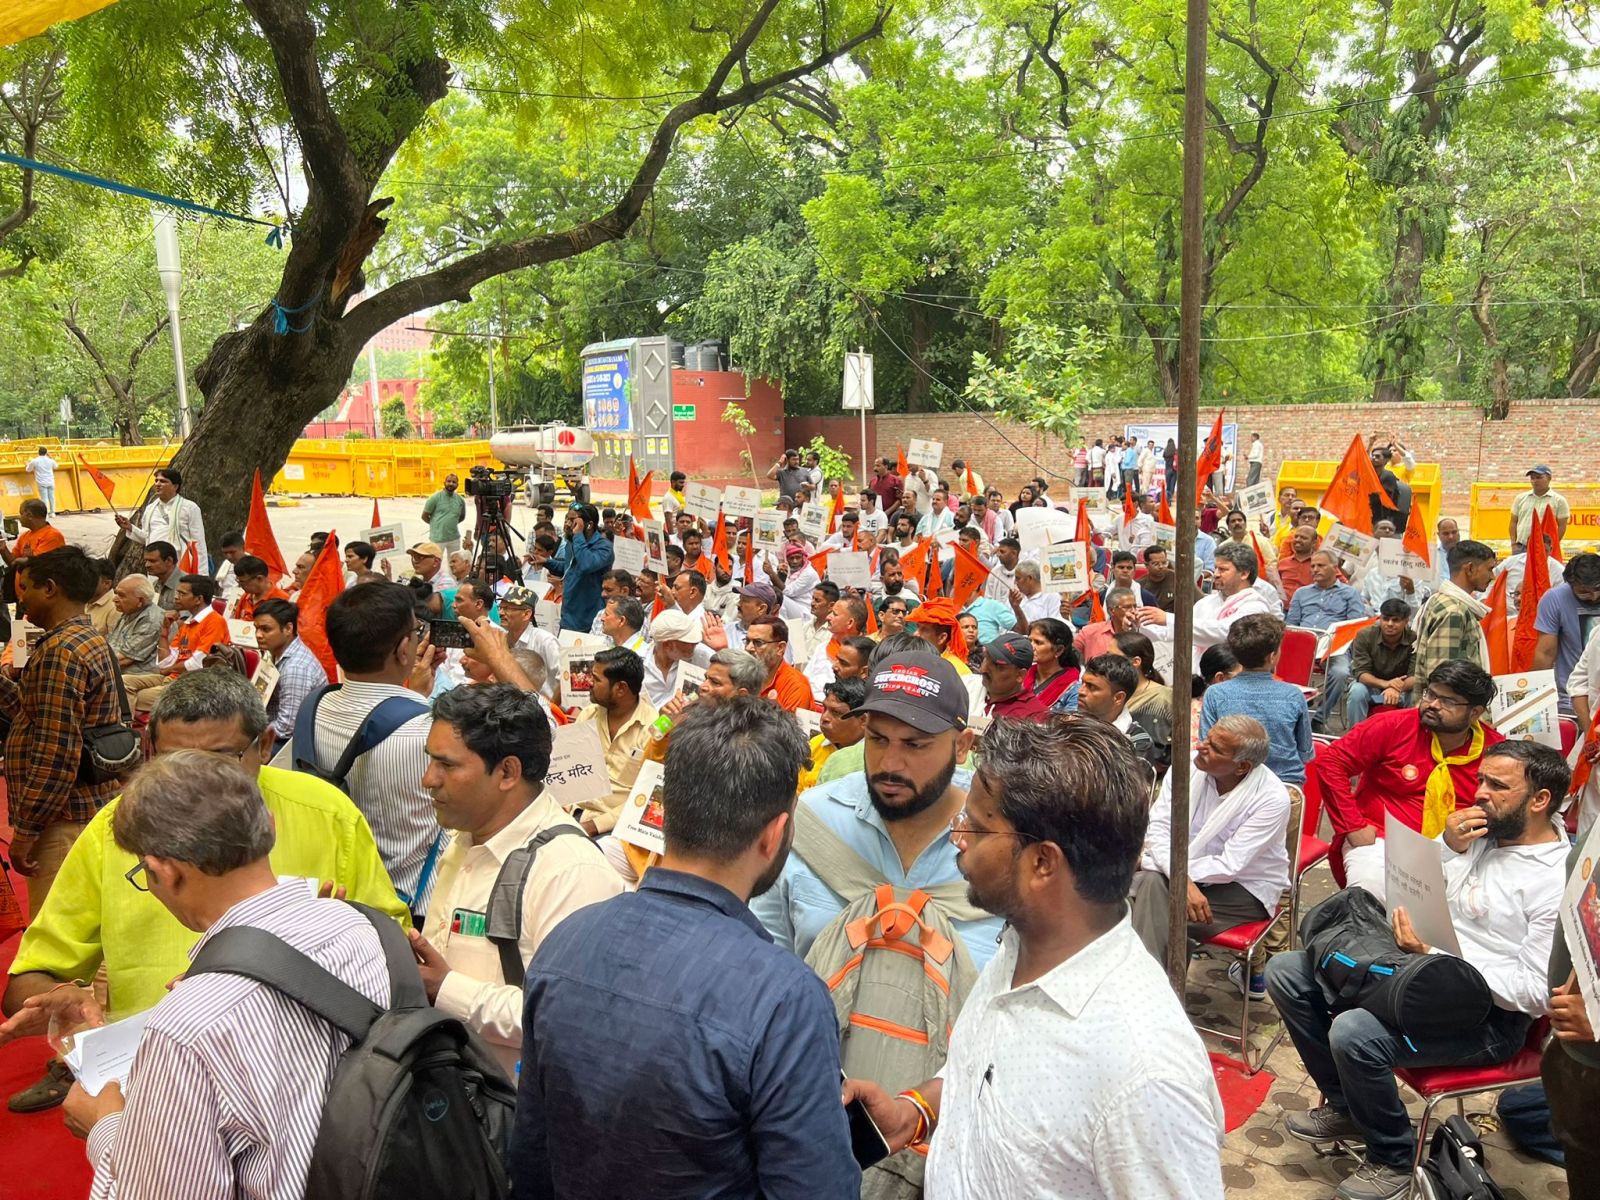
x=898, y=973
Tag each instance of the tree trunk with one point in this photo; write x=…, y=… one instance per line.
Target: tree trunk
x=1585, y=360
x=1500, y=383
x=1395, y=345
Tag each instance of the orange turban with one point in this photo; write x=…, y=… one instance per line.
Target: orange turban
x=942, y=611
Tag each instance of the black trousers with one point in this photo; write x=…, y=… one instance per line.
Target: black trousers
x=1574, y=1092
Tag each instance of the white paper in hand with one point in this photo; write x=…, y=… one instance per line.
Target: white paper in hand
x=105, y=1054
x=1414, y=880
x=642, y=822
x=577, y=773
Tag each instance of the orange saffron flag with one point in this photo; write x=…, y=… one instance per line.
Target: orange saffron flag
x=639, y=493
x=901, y=467
x=1261, y=559
x=376, y=519
x=324, y=585
x=1582, y=770
x=1415, y=540
x=719, y=545
x=1129, y=511
x=1345, y=632
x=107, y=485
x=258, y=538
x=1097, y=611
x=1535, y=583
x=969, y=578
x=972, y=483
x=1552, y=530
x=1210, y=459
x=819, y=563
x=1350, y=491
x=1164, y=514
x=1498, y=624
x=872, y=616
x=189, y=560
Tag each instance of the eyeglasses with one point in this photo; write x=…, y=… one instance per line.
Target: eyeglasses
x=1429, y=696
x=757, y=643
x=960, y=824
x=136, y=870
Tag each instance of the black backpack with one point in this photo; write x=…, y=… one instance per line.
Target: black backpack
x=1454, y=1167
x=1350, y=944
x=503, y=920
x=417, y=1106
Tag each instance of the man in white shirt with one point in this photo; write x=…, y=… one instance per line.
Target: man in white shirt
x=674, y=638
x=1002, y=569
x=938, y=515
x=1071, y=1031
x=1029, y=600
x=516, y=618
x=1233, y=595
x=797, y=583
x=1238, y=856
x=1504, y=870
x=168, y=517
x=488, y=754
x=918, y=491
x=873, y=519
x=1140, y=532
x=1257, y=459
x=43, y=469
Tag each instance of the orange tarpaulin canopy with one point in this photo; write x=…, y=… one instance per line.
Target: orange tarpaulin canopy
x=23, y=19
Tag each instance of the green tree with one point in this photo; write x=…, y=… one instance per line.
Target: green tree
x=394, y=420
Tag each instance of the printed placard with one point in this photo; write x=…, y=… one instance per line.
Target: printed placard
x=265, y=679
x=690, y=680
x=243, y=633
x=769, y=528
x=1065, y=568
x=389, y=546
x=810, y=721
x=1257, y=499
x=629, y=554
x=813, y=520
x=25, y=636
x=1513, y=690
x=577, y=773
x=850, y=569
x=1524, y=707
x=655, y=546
x=1414, y=880
x=577, y=675
x=740, y=502
x=1580, y=921
x=1167, y=538
x=642, y=821
x=1396, y=562
x=1349, y=544
x=925, y=453
x=702, y=500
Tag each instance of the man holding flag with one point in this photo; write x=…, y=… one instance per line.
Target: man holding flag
x=168, y=517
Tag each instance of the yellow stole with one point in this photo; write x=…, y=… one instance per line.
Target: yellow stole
x=1439, y=798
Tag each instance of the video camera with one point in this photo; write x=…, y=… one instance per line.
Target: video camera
x=484, y=483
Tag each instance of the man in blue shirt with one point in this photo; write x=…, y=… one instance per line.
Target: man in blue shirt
x=669, y=1048
x=1325, y=600
x=584, y=557
x=896, y=814
x=1280, y=707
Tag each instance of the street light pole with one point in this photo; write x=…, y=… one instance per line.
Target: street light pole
x=494, y=403
x=171, y=271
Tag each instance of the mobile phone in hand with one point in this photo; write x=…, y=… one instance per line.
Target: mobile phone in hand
x=449, y=635
x=867, y=1144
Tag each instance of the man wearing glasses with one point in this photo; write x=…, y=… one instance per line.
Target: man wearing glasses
x=1421, y=764
x=94, y=917
x=786, y=685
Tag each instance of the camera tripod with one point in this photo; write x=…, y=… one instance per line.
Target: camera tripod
x=494, y=523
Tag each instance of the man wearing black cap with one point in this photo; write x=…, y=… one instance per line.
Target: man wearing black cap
x=1528, y=506
x=1005, y=661
x=895, y=816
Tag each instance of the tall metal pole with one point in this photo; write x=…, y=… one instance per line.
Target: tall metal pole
x=860, y=358
x=1189, y=300
x=171, y=272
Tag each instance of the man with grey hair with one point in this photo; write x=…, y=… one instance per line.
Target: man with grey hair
x=136, y=639
x=1028, y=599
x=1233, y=595
x=1238, y=853
x=232, y=1075
x=734, y=673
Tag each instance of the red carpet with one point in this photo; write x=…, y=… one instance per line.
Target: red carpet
x=42, y=1160
x=1241, y=1094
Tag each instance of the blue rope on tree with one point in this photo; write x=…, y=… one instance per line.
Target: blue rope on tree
x=281, y=315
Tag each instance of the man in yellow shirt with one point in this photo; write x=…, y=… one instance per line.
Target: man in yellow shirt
x=623, y=716
x=839, y=728
x=93, y=916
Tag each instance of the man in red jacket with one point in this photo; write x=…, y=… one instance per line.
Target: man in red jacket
x=1400, y=760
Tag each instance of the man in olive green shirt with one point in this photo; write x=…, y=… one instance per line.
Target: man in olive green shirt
x=444, y=511
x=94, y=916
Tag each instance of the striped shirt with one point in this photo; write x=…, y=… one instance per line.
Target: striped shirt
x=299, y=674
x=386, y=782
x=227, y=1090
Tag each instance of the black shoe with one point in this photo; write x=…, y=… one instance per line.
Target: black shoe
x=1325, y=1123
x=47, y=1093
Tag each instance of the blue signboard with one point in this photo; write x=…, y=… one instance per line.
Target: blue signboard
x=607, y=392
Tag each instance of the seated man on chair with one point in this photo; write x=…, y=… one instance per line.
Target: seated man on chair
x=1238, y=822
x=1381, y=661
x=1504, y=868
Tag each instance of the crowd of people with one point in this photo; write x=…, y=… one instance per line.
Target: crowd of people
x=913, y=863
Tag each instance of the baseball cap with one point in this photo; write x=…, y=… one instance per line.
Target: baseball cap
x=1011, y=649
x=1538, y=469
x=923, y=691
x=427, y=550
x=518, y=595
x=675, y=625
x=760, y=591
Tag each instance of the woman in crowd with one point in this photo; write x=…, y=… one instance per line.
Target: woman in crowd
x=1151, y=703
x=1054, y=674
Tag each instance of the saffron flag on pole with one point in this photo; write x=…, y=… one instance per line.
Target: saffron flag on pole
x=1210, y=459
x=1164, y=515
x=972, y=483
x=107, y=485
x=324, y=584
x=377, y=518
x=719, y=545
x=1535, y=583
x=969, y=578
x=258, y=538
x=639, y=493
x=1350, y=491
x=189, y=560
x=901, y=467
x=1129, y=511
x=1497, y=625
x=1552, y=530
x=1415, y=540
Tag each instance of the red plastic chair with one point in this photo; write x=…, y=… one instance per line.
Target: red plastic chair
x=1313, y=850
x=1298, y=657
x=1434, y=1084
x=252, y=660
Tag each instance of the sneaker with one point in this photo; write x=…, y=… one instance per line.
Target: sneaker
x=1258, y=983
x=47, y=1093
x=1325, y=1123
x=1375, y=1181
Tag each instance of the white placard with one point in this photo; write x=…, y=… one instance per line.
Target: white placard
x=573, y=639
x=769, y=528
x=24, y=637
x=547, y=615
x=1350, y=544
x=389, y=545
x=925, y=453
x=1525, y=708
x=1167, y=538
x=850, y=569
x=655, y=546
x=266, y=678
x=740, y=502
x=1580, y=922
x=243, y=633
x=628, y=554
x=1256, y=499
x=1510, y=691
x=1414, y=880
x=810, y=721
x=1065, y=568
x=1396, y=562
x=104, y=1054
x=642, y=821
x=577, y=674
x=702, y=500
x=690, y=680
x=1041, y=527
x=577, y=772
x=813, y=520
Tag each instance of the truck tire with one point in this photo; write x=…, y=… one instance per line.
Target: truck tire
x=582, y=493
x=547, y=494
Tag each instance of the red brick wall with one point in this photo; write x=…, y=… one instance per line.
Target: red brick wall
x=708, y=449
x=1563, y=433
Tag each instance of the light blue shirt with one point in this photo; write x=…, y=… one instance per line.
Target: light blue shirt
x=799, y=906
x=993, y=618
x=1318, y=608
x=1205, y=550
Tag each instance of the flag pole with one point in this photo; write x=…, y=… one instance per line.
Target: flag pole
x=1190, y=299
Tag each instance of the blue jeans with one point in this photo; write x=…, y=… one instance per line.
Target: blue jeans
x=1336, y=677
x=1358, y=704
x=1352, y=1055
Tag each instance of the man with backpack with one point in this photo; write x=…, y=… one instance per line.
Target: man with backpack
x=1504, y=871
x=518, y=865
x=368, y=736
